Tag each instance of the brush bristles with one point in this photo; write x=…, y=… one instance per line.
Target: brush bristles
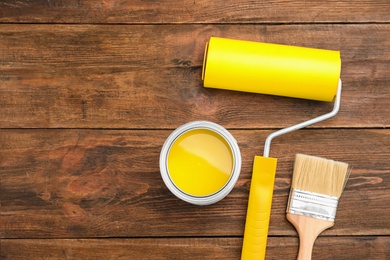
x=319, y=175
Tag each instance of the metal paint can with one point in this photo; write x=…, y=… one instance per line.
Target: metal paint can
x=200, y=162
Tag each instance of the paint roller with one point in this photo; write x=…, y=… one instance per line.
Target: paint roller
x=273, y=69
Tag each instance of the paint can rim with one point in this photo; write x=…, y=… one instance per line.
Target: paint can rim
x=229, y=185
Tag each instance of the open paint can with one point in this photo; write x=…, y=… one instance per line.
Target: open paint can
x=200, y=162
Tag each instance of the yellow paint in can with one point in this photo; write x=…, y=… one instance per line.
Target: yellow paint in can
x=274, y=69
x=200, y=162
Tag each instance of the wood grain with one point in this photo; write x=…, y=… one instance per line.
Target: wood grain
x=90, y=90
x=190, y=248
x=114, y=76
x=190, y=11
x=101, y=183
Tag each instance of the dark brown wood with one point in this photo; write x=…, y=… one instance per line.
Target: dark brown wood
x=90, y=90
x=100, y=183
x=190, y=248
x=89, y=76
x=190, y=11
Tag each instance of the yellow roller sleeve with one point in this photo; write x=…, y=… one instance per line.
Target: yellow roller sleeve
x=259, y=208
x=273, y=69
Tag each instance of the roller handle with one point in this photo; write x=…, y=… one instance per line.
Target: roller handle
x=259, y=208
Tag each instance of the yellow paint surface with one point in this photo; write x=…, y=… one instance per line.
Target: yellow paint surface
x=200, y=162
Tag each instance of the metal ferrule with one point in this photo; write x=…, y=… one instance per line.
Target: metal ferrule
x=312, y=204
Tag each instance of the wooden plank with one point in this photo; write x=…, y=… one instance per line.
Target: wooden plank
x=189, y=11
x=145, y=76
x=93, y=183
x=190, y=248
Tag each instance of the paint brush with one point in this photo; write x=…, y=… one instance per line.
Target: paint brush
x=317, y=185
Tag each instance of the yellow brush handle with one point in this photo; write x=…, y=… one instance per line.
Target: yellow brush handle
x=259, y=208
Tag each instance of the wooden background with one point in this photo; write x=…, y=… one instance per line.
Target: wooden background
x=89, y=91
